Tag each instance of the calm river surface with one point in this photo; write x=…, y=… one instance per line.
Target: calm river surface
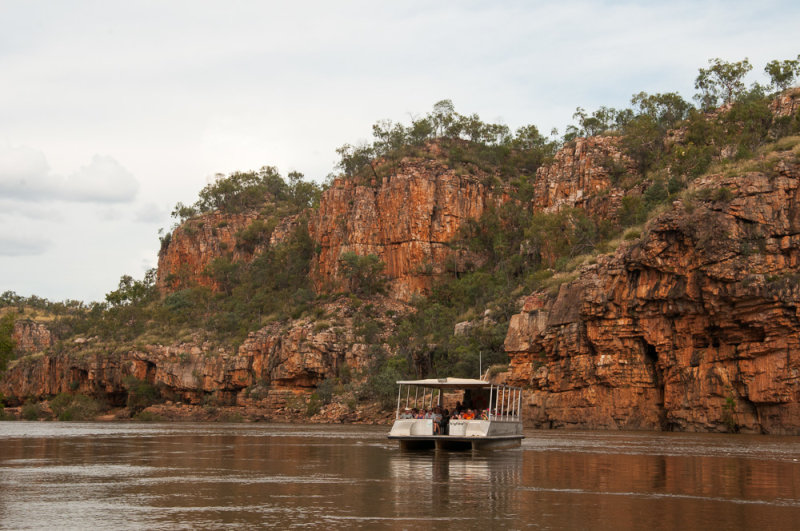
x=167, y=476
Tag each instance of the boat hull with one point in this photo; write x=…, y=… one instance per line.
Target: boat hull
x=454, y=443
x=418, y=434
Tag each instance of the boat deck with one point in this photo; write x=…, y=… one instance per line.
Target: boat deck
x=455, y=442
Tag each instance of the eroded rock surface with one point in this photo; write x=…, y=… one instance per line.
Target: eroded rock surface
x=30, y=336
x=583, y=174
x=197, y=242
x=694, y=327
x=407, y=219
x=278, y=365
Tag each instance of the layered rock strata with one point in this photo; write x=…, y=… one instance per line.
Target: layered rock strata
x=584, y=174
x=407, y=219
x=694, y=327
x=196, y=243
x=30, y=337
x=280, y=361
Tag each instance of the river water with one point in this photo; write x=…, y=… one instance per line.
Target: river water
x=168, y=476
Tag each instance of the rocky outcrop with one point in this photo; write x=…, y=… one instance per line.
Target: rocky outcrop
x=196, y=243
x=282, y=361
x=30, y=337
x=787, y=103
x=407, y=219
x=584, y=174
x=311, y=349
x=694, y=327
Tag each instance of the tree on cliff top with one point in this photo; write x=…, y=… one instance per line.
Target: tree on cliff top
x=464, y=140
x=782, y=73
x=240, y=191
x=721, y=82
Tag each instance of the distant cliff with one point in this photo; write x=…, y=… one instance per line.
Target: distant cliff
x=692, y=326
x=409, y=219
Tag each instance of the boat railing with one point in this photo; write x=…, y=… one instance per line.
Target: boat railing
x=505, y=401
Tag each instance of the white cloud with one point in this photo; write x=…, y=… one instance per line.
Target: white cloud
x=25, y=174
x=104, y=180
x=23, y=245
x=151, y=213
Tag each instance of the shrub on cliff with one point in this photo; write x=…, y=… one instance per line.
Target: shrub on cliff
x=240, y=191
x=464, y=141
x=364, y=273
x=141, y=395
x=7, y=343
x=67, y=406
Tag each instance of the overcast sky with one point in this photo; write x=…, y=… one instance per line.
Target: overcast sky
x=111, y=112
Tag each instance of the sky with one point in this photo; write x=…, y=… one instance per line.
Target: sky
x=111, y=112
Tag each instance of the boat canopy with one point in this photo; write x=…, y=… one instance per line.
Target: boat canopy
x=448, y=383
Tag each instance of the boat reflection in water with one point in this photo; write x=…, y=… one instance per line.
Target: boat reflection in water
x=486, y=415
x=439, y=481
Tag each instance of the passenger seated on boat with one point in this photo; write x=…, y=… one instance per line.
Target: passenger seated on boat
x=468, y=415
x=415, y=413
x=406, y=414
x=436, y=416
x=485, y=414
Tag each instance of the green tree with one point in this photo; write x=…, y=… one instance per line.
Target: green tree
x=130, y=291
x=363, y=273
x=353, y=160
x=443, y=117
x=602, y=120
x=183, y=212
x=654, y=115
x=242, y=190
x=721, y=82
x=302, y=194
x=7, y=343
x=782, y=73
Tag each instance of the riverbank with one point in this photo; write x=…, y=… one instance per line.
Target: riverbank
x=333, y=413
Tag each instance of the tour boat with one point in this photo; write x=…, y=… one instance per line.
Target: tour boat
x=490, y=419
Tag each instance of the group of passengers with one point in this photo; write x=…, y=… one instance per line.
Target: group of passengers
x=441, y=417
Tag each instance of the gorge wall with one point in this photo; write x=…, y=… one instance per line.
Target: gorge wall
x=185, y=257
x=277, y=365
x=692, y=324
x=584, y=174
x=692, y=327
x=408, y=220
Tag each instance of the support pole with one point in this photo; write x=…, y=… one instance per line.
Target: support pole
x=397, y=413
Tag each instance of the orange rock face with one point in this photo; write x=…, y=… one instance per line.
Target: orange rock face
x=581, y=175
x=695, y=327
x=199, y=241
x=407, y=220
x=297, y=356
x=30, y=336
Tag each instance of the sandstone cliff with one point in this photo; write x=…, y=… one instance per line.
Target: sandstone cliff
x=693, y=327
x=584, y=174
x=407, y=219
x=196, y=243
x=30, y=337
x=277, y=365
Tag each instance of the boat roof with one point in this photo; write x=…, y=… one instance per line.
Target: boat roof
x=448, y=383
